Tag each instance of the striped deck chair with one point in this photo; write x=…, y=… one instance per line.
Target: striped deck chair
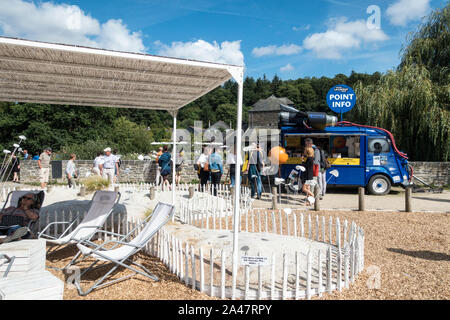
x=123, y=249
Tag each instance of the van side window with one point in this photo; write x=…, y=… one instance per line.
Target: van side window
x=378, y=145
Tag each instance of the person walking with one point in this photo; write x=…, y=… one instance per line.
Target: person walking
x=15, y=168
x=44, y=166
x=324, y=165
x=178, y=169
x=164, y=162
x=109, y=166
x=308, y=173
x=256, y=165
x=216, y=169
x=203, y=165
x=231, y=162
x=71, y=172
x=316, y=162
x=96, y=164
x=117, y=167
x=158, y=168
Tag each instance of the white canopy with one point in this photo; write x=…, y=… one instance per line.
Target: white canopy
x=32, y=71
x=40, y=72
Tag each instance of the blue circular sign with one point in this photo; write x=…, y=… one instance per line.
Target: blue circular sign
x=341, y=98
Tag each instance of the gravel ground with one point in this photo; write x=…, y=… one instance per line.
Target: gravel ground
x=410, y=250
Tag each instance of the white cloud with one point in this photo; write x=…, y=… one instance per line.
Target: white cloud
x=228, y=52
x=63, y=23
x=341, y=37
x=287, y=68
x=404, y=11
x=276, y=51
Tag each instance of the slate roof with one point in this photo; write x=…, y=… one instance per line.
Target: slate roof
x=272, y=103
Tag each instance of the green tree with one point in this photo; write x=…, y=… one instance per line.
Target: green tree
x=290, y=91
x=405, y=103
x=429, y=46
x=307, y=97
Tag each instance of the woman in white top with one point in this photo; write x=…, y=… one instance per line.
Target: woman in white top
x=71, y=171
x=203, y=165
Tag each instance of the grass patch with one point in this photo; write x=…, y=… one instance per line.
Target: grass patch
x=94, y=183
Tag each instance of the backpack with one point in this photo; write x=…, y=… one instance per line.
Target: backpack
x=324, y=163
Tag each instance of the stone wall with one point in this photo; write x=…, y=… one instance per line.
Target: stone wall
x=434, y=173
x=130, y=171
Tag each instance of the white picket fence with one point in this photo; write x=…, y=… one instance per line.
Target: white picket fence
x=211, y=272
x=333, y=269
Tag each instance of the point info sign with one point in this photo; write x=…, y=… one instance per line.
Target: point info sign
x=341, y=99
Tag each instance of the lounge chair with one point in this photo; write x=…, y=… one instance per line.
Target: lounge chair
x=12, y=200
x=102, y=205
x=123, y=249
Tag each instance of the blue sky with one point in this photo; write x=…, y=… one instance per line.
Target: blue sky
x=292, y=39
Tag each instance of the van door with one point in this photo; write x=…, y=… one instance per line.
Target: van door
x=347, y=157
x=381, y=159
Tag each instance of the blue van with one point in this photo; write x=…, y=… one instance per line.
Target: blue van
x=363, y=156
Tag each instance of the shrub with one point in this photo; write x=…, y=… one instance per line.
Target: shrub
x=94, y=183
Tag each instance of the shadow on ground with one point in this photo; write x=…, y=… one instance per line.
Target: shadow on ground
x=423, y=254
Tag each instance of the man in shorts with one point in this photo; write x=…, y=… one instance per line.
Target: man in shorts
x=44, y=166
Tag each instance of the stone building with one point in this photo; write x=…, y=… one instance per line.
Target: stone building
x=265, y=113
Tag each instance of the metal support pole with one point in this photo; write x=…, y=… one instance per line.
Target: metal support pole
x=237, y=192
x=174, y=154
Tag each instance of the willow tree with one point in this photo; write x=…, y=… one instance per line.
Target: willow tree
x=405, y=103
x=429, y=46
x=413, y=102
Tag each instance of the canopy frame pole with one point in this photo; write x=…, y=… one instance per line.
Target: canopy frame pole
x=239, y=77
x=174, y=156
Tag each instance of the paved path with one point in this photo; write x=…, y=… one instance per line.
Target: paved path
x=347, y=199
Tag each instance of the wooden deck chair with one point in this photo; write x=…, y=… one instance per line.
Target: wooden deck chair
x=13, y=200
x=123, y=249
x=102, y=205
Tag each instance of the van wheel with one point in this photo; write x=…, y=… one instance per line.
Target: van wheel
x=379, y=185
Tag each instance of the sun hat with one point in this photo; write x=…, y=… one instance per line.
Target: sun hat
x=107, y=149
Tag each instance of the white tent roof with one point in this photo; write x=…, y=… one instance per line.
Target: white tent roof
x=40, y=72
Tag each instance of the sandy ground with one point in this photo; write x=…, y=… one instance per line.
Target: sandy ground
x=409, y=253
x=410, y=250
